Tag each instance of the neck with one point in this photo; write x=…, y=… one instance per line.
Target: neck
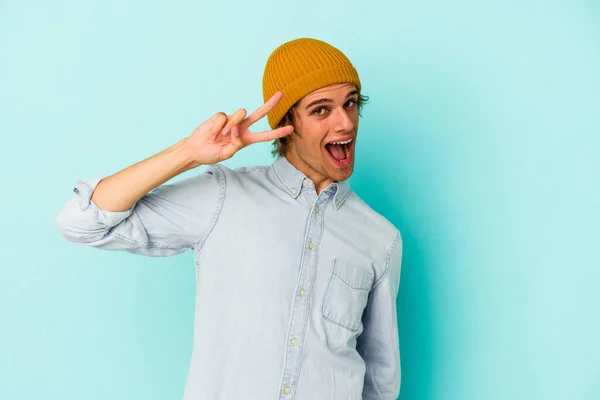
x=321, y=181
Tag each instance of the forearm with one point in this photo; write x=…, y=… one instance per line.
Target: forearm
x=121, y=191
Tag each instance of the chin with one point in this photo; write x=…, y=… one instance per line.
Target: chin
x=341, y=174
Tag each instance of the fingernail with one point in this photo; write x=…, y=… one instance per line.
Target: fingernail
x=236, y=132
x=226, y=131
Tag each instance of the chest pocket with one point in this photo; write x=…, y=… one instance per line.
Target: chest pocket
x=346, y=294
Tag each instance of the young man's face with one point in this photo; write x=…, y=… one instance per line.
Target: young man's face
x=322, y=120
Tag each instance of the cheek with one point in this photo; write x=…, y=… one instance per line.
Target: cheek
x=353, y=115
x=313, y=145
x=312, y=136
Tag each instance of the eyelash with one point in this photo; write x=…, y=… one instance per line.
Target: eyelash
x=314, y=112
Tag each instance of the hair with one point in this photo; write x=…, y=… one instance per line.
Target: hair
x=280, y=146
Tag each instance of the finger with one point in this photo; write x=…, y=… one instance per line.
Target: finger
x=236, y=139
x=235, y=144
x=236, y=118
x=267, y=136
x=263, y=110
x=233, y=120
x=218, y=120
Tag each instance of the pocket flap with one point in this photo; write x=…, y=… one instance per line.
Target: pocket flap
x=353, y=276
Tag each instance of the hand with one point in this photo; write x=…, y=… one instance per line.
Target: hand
x=220, y=137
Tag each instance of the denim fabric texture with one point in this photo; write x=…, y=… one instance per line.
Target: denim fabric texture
x=295, y=292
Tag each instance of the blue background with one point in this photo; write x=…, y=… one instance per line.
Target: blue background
x=480, y=143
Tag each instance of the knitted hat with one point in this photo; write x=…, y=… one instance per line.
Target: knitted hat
x=300, y=67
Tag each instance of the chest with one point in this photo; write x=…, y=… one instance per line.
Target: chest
x=283, y=247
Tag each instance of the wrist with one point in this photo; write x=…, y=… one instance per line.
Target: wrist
x=185, y=155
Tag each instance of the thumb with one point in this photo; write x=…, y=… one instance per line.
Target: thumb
x=236, y=143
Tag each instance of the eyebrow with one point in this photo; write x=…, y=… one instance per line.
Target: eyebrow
x=325, y=100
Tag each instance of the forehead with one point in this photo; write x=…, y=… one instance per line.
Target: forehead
x=334, y=90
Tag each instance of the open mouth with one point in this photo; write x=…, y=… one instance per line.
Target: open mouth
x=340, y=152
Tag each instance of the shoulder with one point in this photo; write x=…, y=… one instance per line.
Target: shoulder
x=244, y=175
x=357, y=205
x=383, y=238
x=243, y=171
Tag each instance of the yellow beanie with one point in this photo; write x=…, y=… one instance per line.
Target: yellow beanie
x=300, y=67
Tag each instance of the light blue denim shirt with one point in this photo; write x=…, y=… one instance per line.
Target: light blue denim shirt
x=295, y=292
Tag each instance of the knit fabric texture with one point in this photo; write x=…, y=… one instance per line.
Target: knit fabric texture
x=301, y=66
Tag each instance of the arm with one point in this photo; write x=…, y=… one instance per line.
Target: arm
x=122, y=190
x=166, y=221
x=134, y=210
x=378, y=344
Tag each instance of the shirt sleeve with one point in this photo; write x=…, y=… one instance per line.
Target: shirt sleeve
x=168, y=220
x=378, y=344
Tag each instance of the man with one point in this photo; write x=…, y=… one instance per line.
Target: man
x=296, y=276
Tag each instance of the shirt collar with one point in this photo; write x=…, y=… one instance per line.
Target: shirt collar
x=292, y=180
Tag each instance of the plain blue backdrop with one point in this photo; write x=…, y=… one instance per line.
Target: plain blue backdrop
x=480, y=143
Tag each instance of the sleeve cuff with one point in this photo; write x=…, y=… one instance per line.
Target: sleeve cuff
x=84, y=190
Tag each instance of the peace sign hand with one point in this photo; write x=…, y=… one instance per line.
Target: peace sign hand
x=220, y=137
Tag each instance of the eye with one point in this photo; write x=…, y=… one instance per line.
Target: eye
x=350, y=103
x=317, y=111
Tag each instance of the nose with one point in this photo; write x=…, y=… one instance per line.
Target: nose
x=343, y=123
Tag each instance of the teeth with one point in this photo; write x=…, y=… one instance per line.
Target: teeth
x=346, y=142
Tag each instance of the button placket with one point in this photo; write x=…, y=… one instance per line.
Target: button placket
x=300, y=308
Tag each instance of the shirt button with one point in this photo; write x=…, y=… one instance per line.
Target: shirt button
x=316, y=209
x=293, y=191
x=305, y=181
x=302, y=292
x=337, y=203
x=310, y=245
x=287, y=390
x=294, y=341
